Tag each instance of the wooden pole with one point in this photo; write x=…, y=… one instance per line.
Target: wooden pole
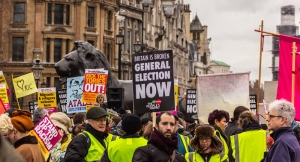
x=153, y=119
x=259, y=72
x=261, y=31
x=293, y=71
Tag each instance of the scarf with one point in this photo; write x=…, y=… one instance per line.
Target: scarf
x=168, y=144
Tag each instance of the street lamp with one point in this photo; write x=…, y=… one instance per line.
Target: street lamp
x=37, y=70
x=137, y=45
x=119, y=41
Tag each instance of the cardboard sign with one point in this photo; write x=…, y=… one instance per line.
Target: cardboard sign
x=24, y=85
x=47, y=98
x=4, y=96
x=153, y=82
x=62, y=96
x=32, y=106
x=46, y=131
x=191, y=106
x=95, y=81
x=74, y=95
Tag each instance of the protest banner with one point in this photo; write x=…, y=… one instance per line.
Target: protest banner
x=74, y=95
x=253, y=101
x=47, y=99
x=62, y=96
x=191, y=106
x=4, y=96
x=24, y=85
x=153, y=81
x=46, y=133
x=95, y=81
x=32, y=106
x=221, y=91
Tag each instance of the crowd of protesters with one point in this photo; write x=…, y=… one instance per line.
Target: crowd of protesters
x=93, y=136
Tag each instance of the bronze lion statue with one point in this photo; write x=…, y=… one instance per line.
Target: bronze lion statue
x=85, y=56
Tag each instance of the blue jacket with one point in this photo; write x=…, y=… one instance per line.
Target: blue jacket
x=285, y=148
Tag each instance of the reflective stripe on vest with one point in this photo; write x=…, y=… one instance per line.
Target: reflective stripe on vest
x=95, y=150
x=123, y=148
x=192, y=156
x=185, y=142
x=225, y=146
x=253, y=141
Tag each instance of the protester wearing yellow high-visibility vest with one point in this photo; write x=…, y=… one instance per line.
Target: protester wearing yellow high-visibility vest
x=250, y=145
x=123, y=148
x=90, y=144
x=218, y=119
x=207, y=146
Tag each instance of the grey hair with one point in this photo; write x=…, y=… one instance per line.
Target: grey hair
x=284, y=108
x=38, y=114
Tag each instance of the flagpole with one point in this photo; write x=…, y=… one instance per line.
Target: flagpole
x=259, y=72
x=293, y=70
x=273, y=34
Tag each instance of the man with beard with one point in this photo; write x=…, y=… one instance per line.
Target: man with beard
x=162, y=143
x=91, y=143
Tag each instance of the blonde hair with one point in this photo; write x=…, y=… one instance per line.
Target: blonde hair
x=5, y=124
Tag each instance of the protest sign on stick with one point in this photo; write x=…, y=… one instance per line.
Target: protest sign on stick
x=153, y=81
x=24, y=85
x=74, y=95
x=47, y=99
x=62, y=96
x=191, y=106
x=4, y=96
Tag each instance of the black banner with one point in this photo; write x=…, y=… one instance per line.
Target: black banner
x=32, y=106
x=62, y=96
x=153, y=81
x=191, y=107
x=253, y=101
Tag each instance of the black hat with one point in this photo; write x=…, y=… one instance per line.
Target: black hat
x=121, y=111
x=96, y=113
x=131, y=124
x=180, y=114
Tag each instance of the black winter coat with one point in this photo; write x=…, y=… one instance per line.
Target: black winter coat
x=151, y=153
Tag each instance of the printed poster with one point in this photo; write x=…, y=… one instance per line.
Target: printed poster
x=32, y=106
x=47, y=99
x=62, y=96
x=4, y=96
x=191, y=106
x=221, y=91
x=95, y=81
x=153, y=81
x=74, y=95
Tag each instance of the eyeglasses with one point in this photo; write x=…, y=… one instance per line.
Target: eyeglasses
x=273, y=116
x=205, y=139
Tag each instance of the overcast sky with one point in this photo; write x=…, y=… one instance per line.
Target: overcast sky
x=231, y=25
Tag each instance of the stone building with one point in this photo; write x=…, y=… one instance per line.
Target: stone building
x=164, y=28
x=218, y=67
x=48, y=29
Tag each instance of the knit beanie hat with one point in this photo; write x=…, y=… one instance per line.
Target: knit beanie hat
x=131, y=123
x=61, y=120
x=22, y=121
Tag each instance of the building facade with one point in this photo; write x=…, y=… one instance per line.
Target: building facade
x=47, y=29
x=287, y=27
x=219, y=67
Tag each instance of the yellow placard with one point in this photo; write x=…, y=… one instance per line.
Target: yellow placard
x=3, y=95
x=24, y=85
x=176, y=93
x=3, y=80
x=89, y=97
x=47, y=100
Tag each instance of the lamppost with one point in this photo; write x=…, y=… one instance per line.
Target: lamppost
x=44, y=84
x=120, y=42
x=137, y=45
x=37, y=70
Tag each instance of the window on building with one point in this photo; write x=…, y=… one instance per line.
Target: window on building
x=18, y=49
x=48, y=50
x=109, y=19
x=91, y=42
x=128, y=41
x=194, y=36
x=198, y=36
x=108, y=52
x=57, y=83
x=91, y=17
x=48, y=80
x=19, y=12
x=57, y=49
x=67, y=45
x=60, y=14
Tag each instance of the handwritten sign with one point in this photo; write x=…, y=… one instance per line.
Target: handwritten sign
x=24, y=85
x=46, y=131
x=95, y=81
x=47, y=98
x=74, y=95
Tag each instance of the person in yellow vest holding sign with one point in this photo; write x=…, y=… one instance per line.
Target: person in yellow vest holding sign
x=89, y=145
x=123, y=148
x=218, y=119
x=208, y=146
x=250, y=145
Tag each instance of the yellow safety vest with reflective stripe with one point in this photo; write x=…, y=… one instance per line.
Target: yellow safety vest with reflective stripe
x=193, y=156
x=111, y=138
x=225, y=146
x=249, y=146
x=96, y=149
x=122, y=150
x=186, y=142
